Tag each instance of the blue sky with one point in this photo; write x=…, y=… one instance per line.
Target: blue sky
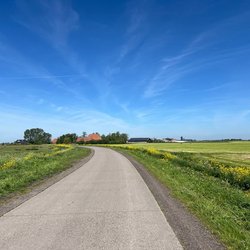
x=147, y=68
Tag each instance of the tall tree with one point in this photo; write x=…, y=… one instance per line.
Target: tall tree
x=37, y=136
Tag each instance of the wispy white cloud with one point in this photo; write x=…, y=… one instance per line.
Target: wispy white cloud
x=164, y=78
x=217, y=87
x=67, y=120
x=172, y=69
x=135, y=32
x=175, y=68
x=37, y=77
x=190, y=60
x=59, y=20
x=137, y=16
x=57, y=108
x=26, y=69
x=56, y=22
x=97, y=118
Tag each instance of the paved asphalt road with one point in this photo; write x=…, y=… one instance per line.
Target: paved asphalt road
x=105, y=204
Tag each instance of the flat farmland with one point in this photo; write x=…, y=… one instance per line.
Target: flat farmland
x=227, y=152
x=200, y=147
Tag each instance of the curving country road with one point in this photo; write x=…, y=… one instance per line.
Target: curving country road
x=104, y=204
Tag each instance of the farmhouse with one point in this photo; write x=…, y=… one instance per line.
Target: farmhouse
x=90, y=137
x=21, y=142
x=54, y=141
x=169, y=140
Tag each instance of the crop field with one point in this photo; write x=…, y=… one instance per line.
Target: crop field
x=234, y=152
x=22, y=165
x=211, y=179
x=229, y=161
x=200, y=147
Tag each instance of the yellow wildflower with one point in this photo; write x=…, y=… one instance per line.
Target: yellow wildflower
x=9, y=164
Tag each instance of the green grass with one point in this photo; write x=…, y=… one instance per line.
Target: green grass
x=20, y=166
x=222, y=207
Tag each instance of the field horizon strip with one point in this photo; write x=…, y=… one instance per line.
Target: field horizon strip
x=22, y=165
x=200, y=147
x=212, y=185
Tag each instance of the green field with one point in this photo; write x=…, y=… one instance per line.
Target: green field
x=211, y=179
x=229, y=161
x=22, y=165
x=201, y=147
x=234, y=153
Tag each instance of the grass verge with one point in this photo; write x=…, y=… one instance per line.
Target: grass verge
x=22, y=170
x=224, y=208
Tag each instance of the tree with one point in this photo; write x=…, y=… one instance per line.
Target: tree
x=37, y=136
x=115, y=138
x=84, y=134
x=67, y=139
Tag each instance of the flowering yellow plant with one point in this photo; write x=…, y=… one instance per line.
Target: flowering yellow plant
x=168, y=156
x=64, y=146
x=59, y=149
x=239, y=171
x=28, y=156
x=9, y=164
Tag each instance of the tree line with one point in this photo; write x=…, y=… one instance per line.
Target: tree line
x=39, y=136
x=112, y=138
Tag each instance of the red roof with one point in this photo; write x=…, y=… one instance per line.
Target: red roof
x=79, y=139
x=54, y=141
x=91, y=137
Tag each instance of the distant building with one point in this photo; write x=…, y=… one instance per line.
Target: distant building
x=80, y=139
x=169, y=140
x=186, y=140
x=141, y=139
x=54, y=141
x=21, y=142
x=90, y=137
x=93, y=137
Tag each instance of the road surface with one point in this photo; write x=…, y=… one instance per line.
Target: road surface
x=105, y=204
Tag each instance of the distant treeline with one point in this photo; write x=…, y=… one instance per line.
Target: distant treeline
x=222, y=140
x=39, y=136
x=112, y=138
x=67, y=139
